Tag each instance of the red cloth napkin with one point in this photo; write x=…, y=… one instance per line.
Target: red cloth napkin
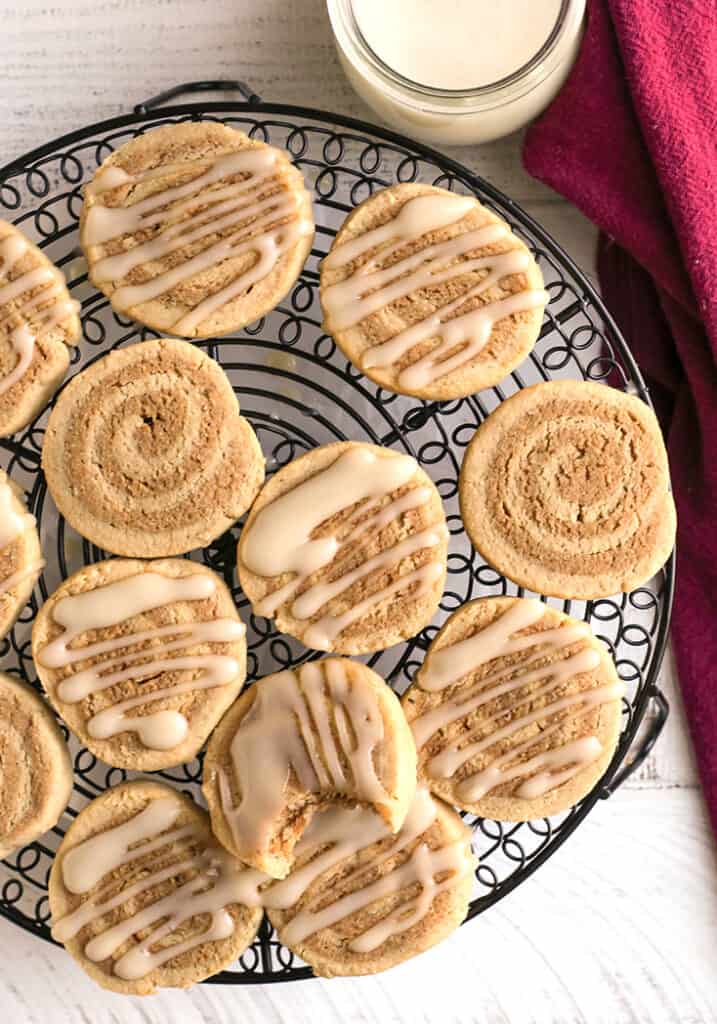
x=632, y=141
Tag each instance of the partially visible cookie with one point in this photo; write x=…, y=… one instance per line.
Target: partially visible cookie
x=35, y=767
x=142, y=897
x=346, y=548
x=297, y=740
x=141, y=659
x=20, y=553
x=565, y=490
x=429, y=293
x=195, y=229
x=515, y=711
x=360, y=900
x=38, y=326
x=146, y=454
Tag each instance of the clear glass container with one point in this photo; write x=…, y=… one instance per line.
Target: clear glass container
x=463, y=116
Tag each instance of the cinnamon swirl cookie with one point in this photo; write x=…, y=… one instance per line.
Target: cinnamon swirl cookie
x=565, y=490
x=196, y=229
x=146, y=454
x=360, y=900
x=141, y=895
x=346, y=548
x=141, y=659
x=296, y=740
x=515, y=710
x=35, y=767
x=38, y=325
x=20, y=554
x=430, y=294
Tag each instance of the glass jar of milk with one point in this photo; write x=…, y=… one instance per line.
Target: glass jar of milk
x=457, y=71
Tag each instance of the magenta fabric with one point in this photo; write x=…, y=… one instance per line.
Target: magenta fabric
x=632, y=141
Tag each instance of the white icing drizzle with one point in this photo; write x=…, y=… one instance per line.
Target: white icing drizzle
x=316, y=697
x=210, y=889
x=449, y=665
x=14, y=521
x=335, y=835
x=54, y=308
x=253, y=222
x=370, y=288
x=115, y=603
x=280, y=539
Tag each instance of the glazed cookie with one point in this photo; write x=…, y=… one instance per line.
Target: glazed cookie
x=565, y=490
x=20, y=553
x=430, y=294
x=38, y=325
x=515, y=711
x=142, y=897
x=146, y=454
x=346, y=548
x=360, y=900
x=141, y=659
x=296, y=740
x=35, y=767
x=196, y=229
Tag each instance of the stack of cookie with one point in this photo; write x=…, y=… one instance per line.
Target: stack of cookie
x=332, y=804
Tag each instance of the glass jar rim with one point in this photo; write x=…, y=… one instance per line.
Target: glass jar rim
x=341, y=14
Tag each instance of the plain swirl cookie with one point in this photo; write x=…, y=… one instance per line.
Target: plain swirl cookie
x=38, y=326
x=360, y=900
x=196, y=229
x=141, y=895
x=20, y=553
x=141, y=659
x=430, y=294
x=145, y=452
x=564, y=489
x=515, y=711
x=296, y=740
x=345, y=548
x=35, y=766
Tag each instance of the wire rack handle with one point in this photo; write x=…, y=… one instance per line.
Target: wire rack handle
x=632, y=763
x=215, y=85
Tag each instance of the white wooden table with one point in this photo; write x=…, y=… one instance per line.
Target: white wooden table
x=620, y=926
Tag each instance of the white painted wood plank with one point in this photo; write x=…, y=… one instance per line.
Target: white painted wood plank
x=619, y=927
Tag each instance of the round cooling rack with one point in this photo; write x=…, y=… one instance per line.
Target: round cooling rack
x=298, y=391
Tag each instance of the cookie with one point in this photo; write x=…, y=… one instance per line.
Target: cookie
x=141, y=659
x=430, y=294
x=360, y=900
x=35, y=767
x=145, y=452
x=141, y=895
x=345, y=548
x=21, y=559
x=38, y=326
x=515, y=710
x=296, y=740
x=195, y=229
x=564, y=489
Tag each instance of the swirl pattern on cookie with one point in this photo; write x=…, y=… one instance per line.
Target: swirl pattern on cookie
x=296, y=739
x=565, y=490
x=38, y=324
x=346, y=548
x=146, y=454
x=142, y=896
x=515, y=711
x=141, y=659
x=430, y=294
x=21, y=559
x=35, y=768
x=195, y=229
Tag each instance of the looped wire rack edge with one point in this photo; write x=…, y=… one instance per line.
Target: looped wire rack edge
x=298, y=391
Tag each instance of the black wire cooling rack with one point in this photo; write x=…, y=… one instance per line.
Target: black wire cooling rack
x=298, y=391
